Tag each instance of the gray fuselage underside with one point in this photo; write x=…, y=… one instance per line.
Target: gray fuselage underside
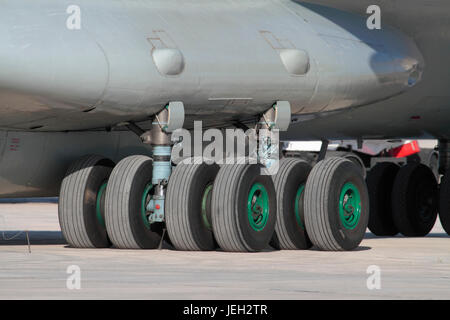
x=232, y=65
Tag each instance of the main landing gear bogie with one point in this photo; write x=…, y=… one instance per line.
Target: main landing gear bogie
x=403, y=199
x=238, y=207
x=234, y=207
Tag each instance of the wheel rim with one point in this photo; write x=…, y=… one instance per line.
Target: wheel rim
x=206, y=194
x=146, y=197
x=258, y=207
x=425, y=203
x=350, y=206
x=98, y=206
x=298, y=198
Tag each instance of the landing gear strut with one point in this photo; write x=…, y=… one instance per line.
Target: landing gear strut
x=136, y=191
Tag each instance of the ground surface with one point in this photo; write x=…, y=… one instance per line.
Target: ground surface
x=414, y=268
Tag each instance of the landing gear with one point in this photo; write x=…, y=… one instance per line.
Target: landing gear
x=128, y=193
x=290, y=232
x=243, y=208
x=415, y=200
x=336, y=205
x=135, y=196
x=81, y=202
x=188, y=206
x=380, y=181
x=244, y=201
x=204, y=206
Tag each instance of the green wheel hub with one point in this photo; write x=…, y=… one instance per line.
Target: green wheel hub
x=98, y=206
x=258, y=207
x=146, y=197
x=350, y=206
x=206, y=194
x=298, y=197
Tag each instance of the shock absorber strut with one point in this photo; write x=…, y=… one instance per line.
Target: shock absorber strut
x=164, y=123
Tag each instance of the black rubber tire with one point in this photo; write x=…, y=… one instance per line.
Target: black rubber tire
x=322, y=194
x=230, y=222
x=352, y=156
x=184, y=220
x=289, y=235
x=380, y=181
x=77, y=207
x=413, y=183
x=123, y=215
x=444, y=203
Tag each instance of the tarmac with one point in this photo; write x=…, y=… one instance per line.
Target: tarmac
x=381, y=268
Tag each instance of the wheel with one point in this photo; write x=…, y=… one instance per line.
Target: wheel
x=127, y=195
x=353, y=157
x=243, y=208
x=290, y=181
x=336, y=205
x=81, y=202
x=380, y=180
x=415, y=200
x=444, y=203
x=188, y=206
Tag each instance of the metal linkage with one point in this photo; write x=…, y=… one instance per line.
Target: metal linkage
x=444, y=156
x=277, y=118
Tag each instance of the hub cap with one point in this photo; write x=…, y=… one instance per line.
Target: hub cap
x=99, y=204
x=350, y=206
x=298, y=198
x=425, y=202
x=146, y=197
x=206, y=195
x=258, y=207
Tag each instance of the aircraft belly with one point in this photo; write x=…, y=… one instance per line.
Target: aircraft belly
x=229, y=60
x=221, y=59
x=46, y=67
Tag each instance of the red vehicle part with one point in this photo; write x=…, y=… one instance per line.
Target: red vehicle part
x=405, y=150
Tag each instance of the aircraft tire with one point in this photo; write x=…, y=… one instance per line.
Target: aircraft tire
x=335, y=187
x=81, y=205
x=290, y=181
x=415, y=200
x=380, y=181
x=444, y=203
x=188, y=206
x=243, y=208
x=127, y=195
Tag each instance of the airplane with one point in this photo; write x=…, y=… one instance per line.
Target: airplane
x=92, y=93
